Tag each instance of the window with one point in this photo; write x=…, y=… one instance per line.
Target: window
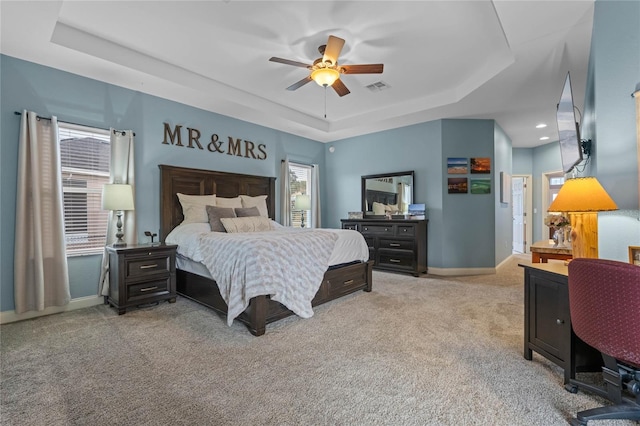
x=84, y=157
x=300, y=184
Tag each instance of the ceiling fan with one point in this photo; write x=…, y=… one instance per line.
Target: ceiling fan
x=325, y=70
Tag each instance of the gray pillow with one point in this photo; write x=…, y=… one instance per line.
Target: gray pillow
x=215, y=214
x=247, y=211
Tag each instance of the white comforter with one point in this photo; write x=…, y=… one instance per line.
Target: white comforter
x=287, y=263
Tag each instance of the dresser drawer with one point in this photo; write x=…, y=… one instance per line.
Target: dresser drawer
x=148, y=289
x=377, y=229
x=352, y=226
x=396, y=260
x=396, y=244
x=406, y=230
x=149, y=265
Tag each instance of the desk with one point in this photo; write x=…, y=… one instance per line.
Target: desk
x=547, y=323
x=542, y=251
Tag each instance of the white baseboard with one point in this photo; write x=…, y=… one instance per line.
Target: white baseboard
x=79, y=303
x=449, y=272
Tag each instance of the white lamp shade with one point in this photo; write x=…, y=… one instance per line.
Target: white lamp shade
x=117, y=196
x=303, y=202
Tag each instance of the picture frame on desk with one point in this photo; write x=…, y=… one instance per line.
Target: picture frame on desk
x=634, y=255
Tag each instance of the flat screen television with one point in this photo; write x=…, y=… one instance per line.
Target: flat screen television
x=568, y=130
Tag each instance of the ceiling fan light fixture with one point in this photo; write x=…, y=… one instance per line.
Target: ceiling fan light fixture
x=325, y=76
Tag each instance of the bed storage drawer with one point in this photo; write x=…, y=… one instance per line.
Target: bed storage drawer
x=339, y=282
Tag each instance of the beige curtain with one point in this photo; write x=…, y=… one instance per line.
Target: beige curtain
x=315, y=196
x=41, y=277
x=121, y=171
x=285, y=194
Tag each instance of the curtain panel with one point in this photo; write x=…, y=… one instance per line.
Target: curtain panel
x=41, y=277
x=315, y=200
x=285, y=194
x=121, y=171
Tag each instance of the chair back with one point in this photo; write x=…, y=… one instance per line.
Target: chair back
x=604, y=304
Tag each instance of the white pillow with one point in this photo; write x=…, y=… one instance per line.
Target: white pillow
x=246, y=224
x=194, y=207
x=391, y=207
x=260, y=202
x=228, y=202
x=378, y=208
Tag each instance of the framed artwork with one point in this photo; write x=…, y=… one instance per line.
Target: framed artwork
x=634, y=255
x=457, y=185
x=480, y=186
x=457, y=166
x=505, y=187
x=480, y=165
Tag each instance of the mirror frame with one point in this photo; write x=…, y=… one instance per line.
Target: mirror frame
x=363, y=182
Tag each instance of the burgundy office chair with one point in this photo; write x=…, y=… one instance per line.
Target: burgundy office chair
x=604, y=303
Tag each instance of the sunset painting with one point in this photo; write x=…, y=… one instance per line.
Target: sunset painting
x=481, y=165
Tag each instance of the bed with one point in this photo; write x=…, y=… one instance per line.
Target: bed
x=338, y=280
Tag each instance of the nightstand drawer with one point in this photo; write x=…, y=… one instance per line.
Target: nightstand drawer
x=396, y=244
x=148, y=266
x=148, y=289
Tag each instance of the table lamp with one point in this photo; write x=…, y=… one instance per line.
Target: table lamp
x=117, y=197
x=303, y=202
x=583, y=198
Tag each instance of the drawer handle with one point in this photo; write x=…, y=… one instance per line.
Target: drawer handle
x=386, y=229
x=348, y=282
x=404, y=230
x=155, y=265
x=366, y=229
x=148, y=288
x=394, y=245
x=394, y=261
x=559, y=321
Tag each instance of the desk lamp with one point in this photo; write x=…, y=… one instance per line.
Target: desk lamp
x=583, y=198
x=117, y=197
x=303, y=203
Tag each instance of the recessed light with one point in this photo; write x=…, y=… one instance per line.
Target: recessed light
x=544, y=138
x=541, y=126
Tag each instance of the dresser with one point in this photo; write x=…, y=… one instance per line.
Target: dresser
x=141, y=274
x=397, y=245
x=547, y=323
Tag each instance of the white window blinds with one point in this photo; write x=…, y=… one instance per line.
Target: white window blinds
x=84, y=157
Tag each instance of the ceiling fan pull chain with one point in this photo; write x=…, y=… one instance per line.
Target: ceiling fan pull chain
x=325, y=101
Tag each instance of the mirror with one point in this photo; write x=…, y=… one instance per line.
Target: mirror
x=391, y=192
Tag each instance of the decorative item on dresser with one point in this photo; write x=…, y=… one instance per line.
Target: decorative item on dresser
x=141, y=274
x=338, y=280
x=398, y=245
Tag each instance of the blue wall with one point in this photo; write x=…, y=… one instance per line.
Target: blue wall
x=610, y=120
x=504, y=211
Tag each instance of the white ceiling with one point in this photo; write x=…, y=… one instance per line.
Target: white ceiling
x=502, y=60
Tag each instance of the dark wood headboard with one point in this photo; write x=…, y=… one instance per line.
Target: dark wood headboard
x=206, y=182
x=382, y=197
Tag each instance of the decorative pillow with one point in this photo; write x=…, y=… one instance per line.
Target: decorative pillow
x=228, y=202
x=215, y=214
x=247, y=212
x=391, y=207
x=246, y=224
x=260, y=202
x=194, y=207
x=378, y=208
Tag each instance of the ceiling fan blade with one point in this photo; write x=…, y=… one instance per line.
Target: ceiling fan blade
x=340, y=88
x=333, y=49
x=300, y=83
x=363, y=69
x=289, y=62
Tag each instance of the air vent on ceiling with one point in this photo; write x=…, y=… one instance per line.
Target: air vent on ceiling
x=378, y=86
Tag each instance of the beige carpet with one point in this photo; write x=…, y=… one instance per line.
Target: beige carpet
x=415, y=351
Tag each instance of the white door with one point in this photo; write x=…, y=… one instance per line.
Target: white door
x=518, y=188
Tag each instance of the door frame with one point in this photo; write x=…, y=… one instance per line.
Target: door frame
x=528, y=209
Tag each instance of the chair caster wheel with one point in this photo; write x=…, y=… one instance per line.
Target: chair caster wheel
x=571, y=388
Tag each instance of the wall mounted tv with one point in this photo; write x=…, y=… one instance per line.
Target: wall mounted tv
x=568, y=130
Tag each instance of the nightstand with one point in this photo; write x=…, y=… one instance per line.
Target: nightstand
x=141, y=274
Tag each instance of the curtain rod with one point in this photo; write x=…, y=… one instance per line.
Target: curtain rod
x=75, y=124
